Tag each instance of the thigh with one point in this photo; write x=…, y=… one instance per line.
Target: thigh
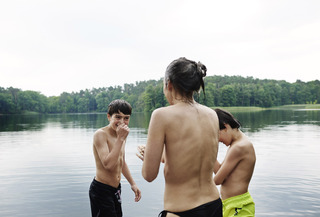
x=103, y=205
x=117, y=202
x=118, y=208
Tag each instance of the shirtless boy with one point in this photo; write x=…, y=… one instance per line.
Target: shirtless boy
x=235, y=172
x=186, y=133
x=109, y=153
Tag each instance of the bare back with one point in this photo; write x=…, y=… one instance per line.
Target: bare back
x=238, y=180
x=191, y=146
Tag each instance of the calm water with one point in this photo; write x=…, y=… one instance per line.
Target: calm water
x=46, y=164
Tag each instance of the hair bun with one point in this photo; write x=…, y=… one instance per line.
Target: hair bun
x=202, y=69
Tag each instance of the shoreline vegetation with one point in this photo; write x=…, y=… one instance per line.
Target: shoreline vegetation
x=283, y=107
x=145, y=96
x=233, y=109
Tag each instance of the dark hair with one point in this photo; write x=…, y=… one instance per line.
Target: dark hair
x=227, y=118
x=186, y=76
x=119, y=105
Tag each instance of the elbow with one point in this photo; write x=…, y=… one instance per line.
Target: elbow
x=148, y=177
x=108, y=166
x=217, y=181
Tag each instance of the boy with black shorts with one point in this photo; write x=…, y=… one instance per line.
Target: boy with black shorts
x=109, y=153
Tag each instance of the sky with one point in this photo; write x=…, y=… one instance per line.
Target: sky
x=55, y=46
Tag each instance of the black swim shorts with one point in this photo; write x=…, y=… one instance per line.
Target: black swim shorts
x=105, y=200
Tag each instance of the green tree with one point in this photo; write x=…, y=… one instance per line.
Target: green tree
x=66, y=103
x=6, y=103
x=102, y=102
x=148, y=95
x=32, y=101
x=54, y=105
x=228, y=96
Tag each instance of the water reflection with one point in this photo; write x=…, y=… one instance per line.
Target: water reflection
x=47, y=164
x=251, y=121
x=21, y=122
x=254, y=121
x=38, y=122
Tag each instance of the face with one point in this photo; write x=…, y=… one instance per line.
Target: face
x=224, y=136
x=118, y=118
x=166, y=91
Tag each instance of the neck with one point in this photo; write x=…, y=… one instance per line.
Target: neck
x=181, y=100
x=111, y=130
x=237, y=135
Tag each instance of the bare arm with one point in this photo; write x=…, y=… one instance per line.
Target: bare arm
x=233, y=157
x=217, y=166
x=154, y=147
x=109, y=158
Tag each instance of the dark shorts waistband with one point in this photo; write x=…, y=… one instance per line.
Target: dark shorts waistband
x=105, y=186
x=216, y=202
x=212, y=209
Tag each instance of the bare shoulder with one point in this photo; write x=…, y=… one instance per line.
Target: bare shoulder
x=243, y=147
x=210, y=114
x=162, y=113
x=208, y=110
x=159, y=111
x=100, y=134
x=245, y=143
x=101, y=131
x=158, y=118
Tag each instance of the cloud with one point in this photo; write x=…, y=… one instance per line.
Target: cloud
x=56, y=46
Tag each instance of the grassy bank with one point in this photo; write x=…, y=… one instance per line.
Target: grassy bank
x=30, y=113
x=241, y=109
x=298, y=106
x=257, y=109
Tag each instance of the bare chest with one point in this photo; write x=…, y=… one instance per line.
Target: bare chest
x=112, y=145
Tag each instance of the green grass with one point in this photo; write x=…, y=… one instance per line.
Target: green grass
x=30, y=112
x=242, y=109
x=313, y=106
x=298, y=106
x=257, y=109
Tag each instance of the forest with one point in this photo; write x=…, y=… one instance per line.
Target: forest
x=145, y=96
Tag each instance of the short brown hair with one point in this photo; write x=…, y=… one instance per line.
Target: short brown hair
x=119, y=105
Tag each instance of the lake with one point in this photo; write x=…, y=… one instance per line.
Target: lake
x=47, y=165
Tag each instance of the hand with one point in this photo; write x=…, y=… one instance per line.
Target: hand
x=122, y=131
x=137, y=192
x=140, y=153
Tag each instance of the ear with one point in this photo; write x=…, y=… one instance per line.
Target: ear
x=169, y=85
x=227, y=126
x=108, y=116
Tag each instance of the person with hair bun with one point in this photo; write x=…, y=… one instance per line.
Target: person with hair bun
x=235, y=172
x=184, y=135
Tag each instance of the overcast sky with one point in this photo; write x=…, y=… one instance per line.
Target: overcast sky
x=54, y=46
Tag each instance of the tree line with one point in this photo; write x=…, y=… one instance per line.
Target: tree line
x=145, y=96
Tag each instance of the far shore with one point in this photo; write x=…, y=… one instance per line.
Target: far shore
x=230, y=109
x=283, y=107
